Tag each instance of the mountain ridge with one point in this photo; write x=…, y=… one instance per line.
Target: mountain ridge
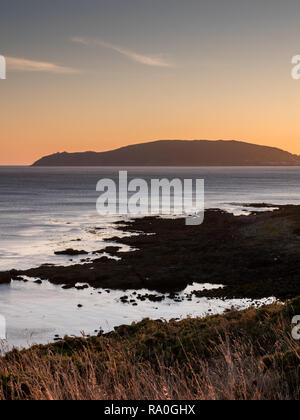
x=178, y=153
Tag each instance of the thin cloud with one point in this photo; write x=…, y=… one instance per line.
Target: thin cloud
x=148, y=60
x=23, y=64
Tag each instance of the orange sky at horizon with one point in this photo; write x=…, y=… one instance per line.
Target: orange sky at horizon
x=69, y=113
x=50, y=119
x=114, y=74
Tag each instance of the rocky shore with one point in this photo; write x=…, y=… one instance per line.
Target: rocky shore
x=253, y=256
x=240, y=355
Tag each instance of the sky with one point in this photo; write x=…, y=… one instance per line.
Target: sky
x=101, y=74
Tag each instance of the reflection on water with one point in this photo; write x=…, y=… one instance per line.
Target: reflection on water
x=36, y=313
x=43, y=210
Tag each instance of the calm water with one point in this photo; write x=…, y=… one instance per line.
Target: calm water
x=43, y=210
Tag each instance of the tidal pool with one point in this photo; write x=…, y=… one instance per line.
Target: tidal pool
x=39, y=313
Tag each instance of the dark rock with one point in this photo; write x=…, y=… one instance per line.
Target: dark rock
x=68, y=286
x=71, y=252
x=85, y=286
x=112, y=250
x=5, y=277
x=254, y=256
x=17, y=278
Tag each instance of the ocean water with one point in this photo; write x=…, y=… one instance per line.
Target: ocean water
x=43, y=210
x=46, y=209
x=37, y=313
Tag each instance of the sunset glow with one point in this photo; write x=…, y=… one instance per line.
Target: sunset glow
x=118, y=73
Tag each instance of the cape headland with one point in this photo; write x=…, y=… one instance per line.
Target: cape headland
x=178, y=153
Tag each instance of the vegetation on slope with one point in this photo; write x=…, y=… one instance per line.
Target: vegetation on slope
x=239, y=355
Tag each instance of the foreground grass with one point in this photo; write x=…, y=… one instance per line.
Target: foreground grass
x=240, y=355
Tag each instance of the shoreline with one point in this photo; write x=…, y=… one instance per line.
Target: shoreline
x=193, y=359
x=252, y=256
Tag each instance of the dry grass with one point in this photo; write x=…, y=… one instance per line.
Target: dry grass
x=114, y=367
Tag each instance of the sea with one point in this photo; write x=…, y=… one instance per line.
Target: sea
x=44, y=210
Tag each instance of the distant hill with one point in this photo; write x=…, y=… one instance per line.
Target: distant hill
x=178, y=153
